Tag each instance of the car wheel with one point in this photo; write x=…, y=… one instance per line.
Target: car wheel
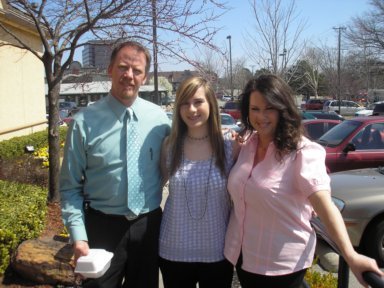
x=373, y=243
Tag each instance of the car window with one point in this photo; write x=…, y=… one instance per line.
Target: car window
x=336, y=135
x=231, y=105
x=227, y=120
x=335, y=103
x=315, y=130
x=352, y=104
x=369, y=138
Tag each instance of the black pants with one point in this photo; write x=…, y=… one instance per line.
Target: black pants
x=134, y=244
x=251, y=280
x=187, y=275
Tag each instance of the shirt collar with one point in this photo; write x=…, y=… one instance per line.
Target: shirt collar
x=120, y=110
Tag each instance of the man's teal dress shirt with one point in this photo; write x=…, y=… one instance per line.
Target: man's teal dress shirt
x=95, y=160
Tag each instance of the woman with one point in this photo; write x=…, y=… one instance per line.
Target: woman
x=196, y=159
x=277, y=183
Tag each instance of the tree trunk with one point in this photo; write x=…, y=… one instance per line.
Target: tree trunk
x=54, y=142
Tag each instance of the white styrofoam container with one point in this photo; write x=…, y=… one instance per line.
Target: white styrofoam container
x=95, y=264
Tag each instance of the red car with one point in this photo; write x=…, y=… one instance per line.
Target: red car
x=313, y=104
x=315, y=128
x=354, y=144
x=232, y=108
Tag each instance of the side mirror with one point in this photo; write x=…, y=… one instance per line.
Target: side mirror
x=349, y=147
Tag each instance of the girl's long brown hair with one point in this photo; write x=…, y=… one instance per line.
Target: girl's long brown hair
x=179, y=129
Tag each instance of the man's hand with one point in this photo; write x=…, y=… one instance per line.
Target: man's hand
x=80, y=248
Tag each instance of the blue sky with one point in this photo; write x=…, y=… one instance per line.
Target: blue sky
x=321, y=16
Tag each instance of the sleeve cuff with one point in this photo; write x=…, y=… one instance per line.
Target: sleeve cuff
x=78, y=233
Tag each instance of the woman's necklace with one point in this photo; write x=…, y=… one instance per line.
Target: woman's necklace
x=197, y=138
x=184, y=177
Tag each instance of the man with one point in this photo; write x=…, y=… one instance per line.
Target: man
x=107, y=201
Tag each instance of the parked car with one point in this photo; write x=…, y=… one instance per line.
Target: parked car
x=346, y=107
x=170, y=116
x=378, y=110
x=354, y=144
x=320, y=114
x=359, y=194
x=228, y=122
x=232, y=108
x=70, y=115
x=368, y=110
x=67, y=106
x=305, y=115
x=313, y=104
x=226, y=98
x=167, y=100
x=315, y=128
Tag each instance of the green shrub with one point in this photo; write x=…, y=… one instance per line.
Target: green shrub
x=22, y=216
x=14, y=147
x=316, y=279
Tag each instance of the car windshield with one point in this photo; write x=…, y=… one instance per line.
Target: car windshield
x=337, y=134
x=227, y=120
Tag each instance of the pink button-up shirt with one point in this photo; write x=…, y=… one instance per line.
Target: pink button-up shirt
x=269, y=222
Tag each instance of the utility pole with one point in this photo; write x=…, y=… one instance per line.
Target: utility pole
x=230, y=64
x=157, y=99
x=338, y=66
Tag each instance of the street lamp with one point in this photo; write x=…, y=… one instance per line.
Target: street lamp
x=230, y=63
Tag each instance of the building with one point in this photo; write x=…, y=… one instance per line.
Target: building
x=22, y=109
x=84, y=93
x=175, y=77
x=96, y=53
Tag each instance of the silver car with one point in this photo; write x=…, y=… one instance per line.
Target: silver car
x=359, y=194
x=346, y=107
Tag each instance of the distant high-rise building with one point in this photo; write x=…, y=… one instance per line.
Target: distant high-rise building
x=96, y=53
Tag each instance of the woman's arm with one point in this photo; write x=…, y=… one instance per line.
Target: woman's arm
x=163, y=161
x=334, y=223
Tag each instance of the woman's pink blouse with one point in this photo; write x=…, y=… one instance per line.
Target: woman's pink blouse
x=269, y=222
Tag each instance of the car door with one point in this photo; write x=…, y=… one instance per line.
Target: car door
x=369, y=148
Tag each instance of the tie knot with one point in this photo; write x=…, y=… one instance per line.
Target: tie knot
x=130, y=113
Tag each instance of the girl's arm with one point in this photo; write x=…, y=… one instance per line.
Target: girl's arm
x=163, y=161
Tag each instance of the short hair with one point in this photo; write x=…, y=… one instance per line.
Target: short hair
x=139, y=47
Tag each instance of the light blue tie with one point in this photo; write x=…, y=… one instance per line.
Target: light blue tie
x=135, y=196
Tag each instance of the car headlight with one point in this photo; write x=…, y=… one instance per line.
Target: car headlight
x=339, y=203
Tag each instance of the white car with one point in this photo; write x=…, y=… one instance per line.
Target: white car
x=226, y=98
x=346, y=107
x=228, y=122
x=368, y=111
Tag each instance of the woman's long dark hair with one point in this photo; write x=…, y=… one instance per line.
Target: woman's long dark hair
x=280, y=96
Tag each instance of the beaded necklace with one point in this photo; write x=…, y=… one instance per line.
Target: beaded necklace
x=184, y=177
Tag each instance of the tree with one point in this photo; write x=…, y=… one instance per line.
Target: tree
x=64, y=26
x=368, y=30
x=163, y=82
x=209, y=64
x=274, y=36
x=305, y=75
